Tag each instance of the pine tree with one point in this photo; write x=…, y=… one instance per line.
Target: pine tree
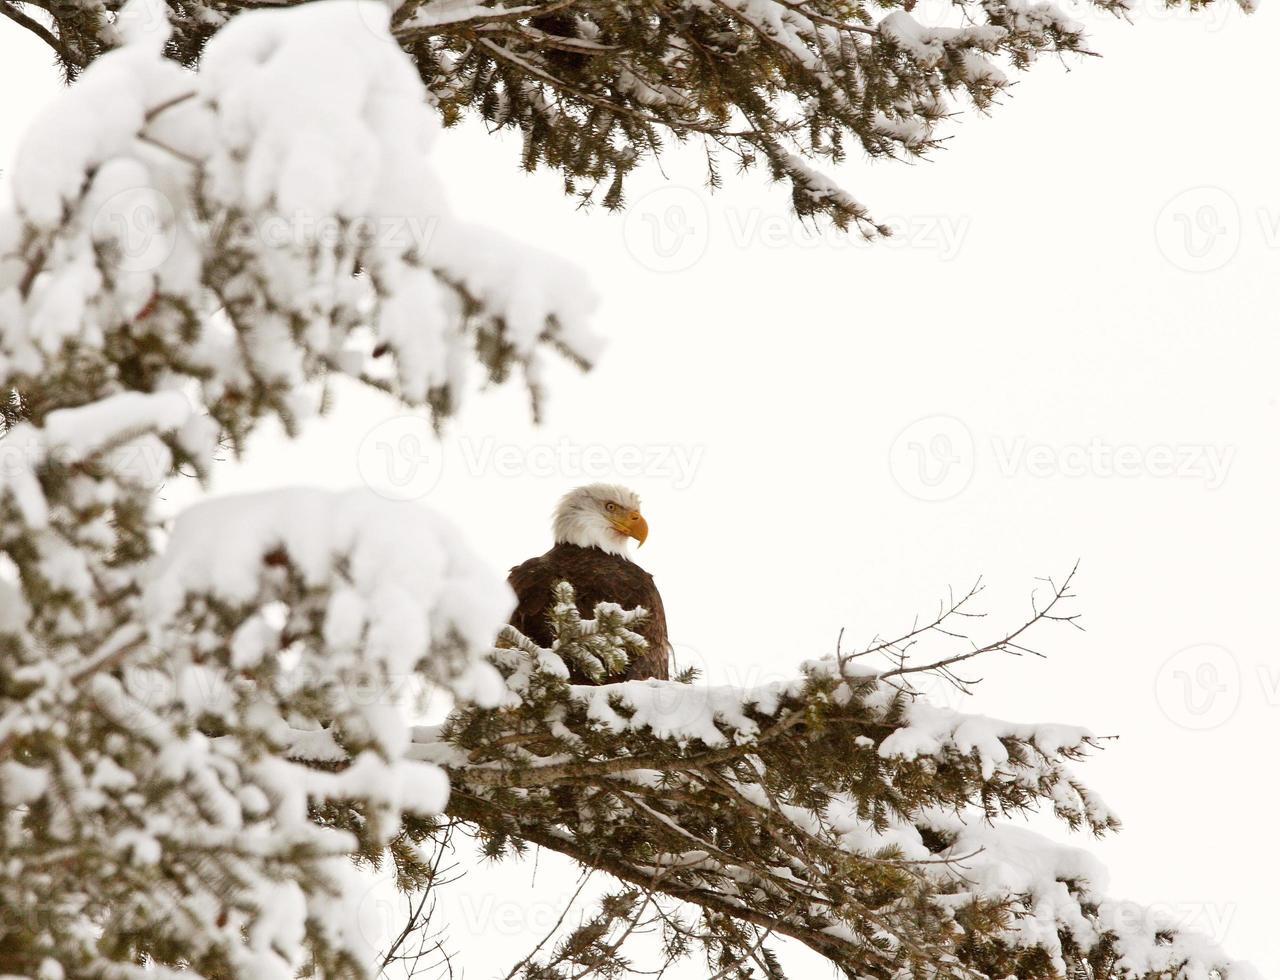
x=190, y=754
x=841, y=809
x=595, y=87
x=206, y=720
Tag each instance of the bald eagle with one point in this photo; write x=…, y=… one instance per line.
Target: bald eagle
x=592, y=526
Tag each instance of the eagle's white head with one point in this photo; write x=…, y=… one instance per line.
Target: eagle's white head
x=599, y=515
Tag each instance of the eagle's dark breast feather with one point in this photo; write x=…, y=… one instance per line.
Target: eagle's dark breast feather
x=596, y=576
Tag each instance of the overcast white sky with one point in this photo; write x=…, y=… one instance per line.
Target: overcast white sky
x=1069, y=352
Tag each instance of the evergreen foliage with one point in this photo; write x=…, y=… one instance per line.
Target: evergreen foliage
x=840, y=809
x=595, y=87
x=205, y=720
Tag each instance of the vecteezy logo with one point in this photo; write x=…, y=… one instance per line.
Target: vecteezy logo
x=139, y=225
x=382, y=910
x=1199, y=687
x=932, y=458
x=1199, y=230
x=667, y=229
x=400, y=459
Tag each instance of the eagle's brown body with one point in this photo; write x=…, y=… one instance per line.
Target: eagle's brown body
x=596, y=576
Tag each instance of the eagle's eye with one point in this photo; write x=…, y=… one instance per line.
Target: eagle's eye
x=610, y=507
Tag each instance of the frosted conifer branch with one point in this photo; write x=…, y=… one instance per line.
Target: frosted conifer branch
x=595, y=87
x=841, y=809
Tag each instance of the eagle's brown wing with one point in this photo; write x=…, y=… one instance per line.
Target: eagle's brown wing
x=596, y=576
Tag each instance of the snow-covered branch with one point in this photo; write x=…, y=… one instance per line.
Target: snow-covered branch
x=840, y=808
x=203, y=722
x=596, y=86
x=263, y=224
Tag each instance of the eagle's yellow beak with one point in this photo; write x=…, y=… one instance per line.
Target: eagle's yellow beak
x=633, y=525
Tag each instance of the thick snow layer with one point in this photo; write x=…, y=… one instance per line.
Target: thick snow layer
x=301, y=149
x=683, y=712
x=929, y=728
x=79, y=432
x=71, y=435
x=408, y=581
